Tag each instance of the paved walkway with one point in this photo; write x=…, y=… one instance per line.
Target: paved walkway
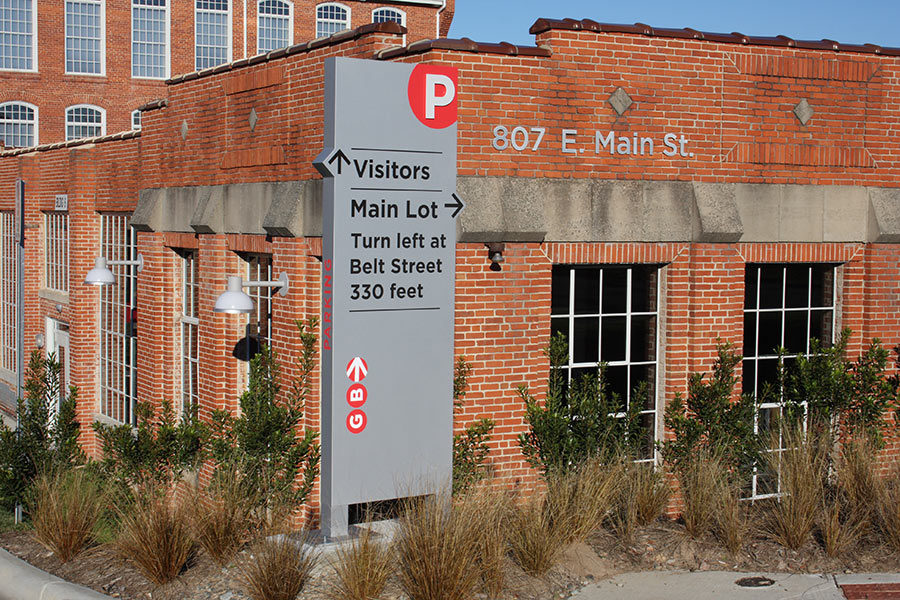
x=723, y=585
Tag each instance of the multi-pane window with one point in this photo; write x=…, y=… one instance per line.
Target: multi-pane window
x=274, y=25
x=331, y=18
x=118, y=321
x=17, y=34
x=190, y=329
x=56, y=251
x=149, y=39
x=85, y=121
x=609, y=316
x=18, y=124
x=388, y=15
x=259, y=322
x=136, y=120
x=211, y=39
x=84, y=37
x=8, y=316
x=784, y=307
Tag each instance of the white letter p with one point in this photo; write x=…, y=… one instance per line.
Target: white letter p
x=432, y=100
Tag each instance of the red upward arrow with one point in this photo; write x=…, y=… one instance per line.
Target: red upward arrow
x=357, y=369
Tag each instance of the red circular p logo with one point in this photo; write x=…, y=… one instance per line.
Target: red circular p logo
x=432, y=95
x=356, y=421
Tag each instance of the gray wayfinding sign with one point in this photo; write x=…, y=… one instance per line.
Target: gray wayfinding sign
x=389, y=247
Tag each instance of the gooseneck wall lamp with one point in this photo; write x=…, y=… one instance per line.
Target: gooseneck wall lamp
x=101, y=275
x=235, y=301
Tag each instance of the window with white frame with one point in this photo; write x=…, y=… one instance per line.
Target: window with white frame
x=190, y=329
x=785, y=305
x=149, y=39
x=18, y=124
x=274, y=25
x=259, y=322
x=212, y=26
x=84, y=121
x=118, y=322
x=8, y=316
x=135, y=120
x=56, y=251
x=18, y=39
x=609, y=315
x=84, y=37
x=331, y=18
x=389, y=15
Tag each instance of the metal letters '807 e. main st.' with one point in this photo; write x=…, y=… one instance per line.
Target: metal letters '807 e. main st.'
x=389, y=247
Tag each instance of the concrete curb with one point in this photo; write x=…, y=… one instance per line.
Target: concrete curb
x=22, y=581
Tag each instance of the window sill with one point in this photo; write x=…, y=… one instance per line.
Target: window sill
x=54, y=296
x=101, y=418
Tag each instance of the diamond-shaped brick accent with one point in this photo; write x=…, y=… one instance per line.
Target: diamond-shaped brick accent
x=184, y=130
x=253, y=118
x=804, y=112
x=620, y=101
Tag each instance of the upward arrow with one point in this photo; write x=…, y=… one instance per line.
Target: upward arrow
x=340, y=157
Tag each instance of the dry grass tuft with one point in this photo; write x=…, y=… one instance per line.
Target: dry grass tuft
x=705, y=485
x=889, y=511
x=361, y=568
x=537, y=535
x=857, y=478
x=155, y=536
x=489, y=511
x=222, y=522
x=732, y=519
x=581, y=498
x=840, y=528
x=434, y=549
x=278, y=568
x=65, y=509
x=650, y=490
x=801, y=468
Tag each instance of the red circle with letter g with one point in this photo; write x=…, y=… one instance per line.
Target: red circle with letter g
x=432, y=95
x=356, y=421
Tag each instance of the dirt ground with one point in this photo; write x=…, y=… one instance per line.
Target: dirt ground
x=663, y=545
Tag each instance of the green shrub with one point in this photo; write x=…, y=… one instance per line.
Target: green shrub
x=47, y=436
x=157, y=451
x=266, y=446
x=712, y=417
x=471, y=447
x=578, y=420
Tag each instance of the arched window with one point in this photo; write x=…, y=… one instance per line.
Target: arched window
x=331, y=18
x=84, y=121
x=273, y=29
x=136, y=120
x=18, y=24
x=389, y=15
x=18, y=124
x=211, y=33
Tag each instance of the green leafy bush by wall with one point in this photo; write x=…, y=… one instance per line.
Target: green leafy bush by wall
x=471, y=447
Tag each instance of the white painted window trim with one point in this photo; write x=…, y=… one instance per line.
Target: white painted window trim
x=102, y=72
x=34, y=43
x=229, y=52
x=290, y=19
x=339, y=5
x=402, y=14
x=36, y=116
x=168, y=57
x=136, y=112
x=100, y=109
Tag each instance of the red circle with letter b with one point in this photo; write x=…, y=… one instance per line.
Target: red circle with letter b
x=432, y=95
x=356, y=421
x=357, y=395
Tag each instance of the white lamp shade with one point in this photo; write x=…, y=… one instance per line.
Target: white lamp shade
x=233, y=300
x=100, y=274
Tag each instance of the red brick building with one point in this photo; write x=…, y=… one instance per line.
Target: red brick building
x=654, y=191
x=81, y=68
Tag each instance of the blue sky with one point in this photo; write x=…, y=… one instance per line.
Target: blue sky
x=848, y=21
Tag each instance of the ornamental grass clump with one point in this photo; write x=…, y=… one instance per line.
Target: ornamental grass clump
x=538, y=535
x=65, y=509
x=278, y=568
x=223, y=519
x=361, y=568
x=155, y=535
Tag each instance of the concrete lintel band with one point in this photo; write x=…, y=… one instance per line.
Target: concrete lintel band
x=528, y=209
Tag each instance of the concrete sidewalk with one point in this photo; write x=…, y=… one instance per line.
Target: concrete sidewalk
x=722, y=585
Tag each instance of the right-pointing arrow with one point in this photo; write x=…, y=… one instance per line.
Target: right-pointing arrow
x=457, y=205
